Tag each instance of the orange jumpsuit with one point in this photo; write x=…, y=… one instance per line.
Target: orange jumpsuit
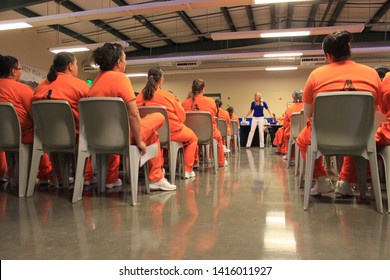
x=69, y=88
x=116, y=84
x=204, y=103
x=176, y=116
x=382, y=136
x=333, y=77
x=20, y=96
x=283, y=134
x=223, y=114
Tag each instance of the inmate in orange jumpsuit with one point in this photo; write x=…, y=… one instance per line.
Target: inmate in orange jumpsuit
x=223, y=114
x=382, y=136
x=116, y=84
x=283, y=134
x=20, y=96
x=333, y=77
x=204, y=103
x=176, y=116
x=69, y=88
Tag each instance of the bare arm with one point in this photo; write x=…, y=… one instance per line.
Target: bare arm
x=269, y=111
x=249, y=112
x=135, y=125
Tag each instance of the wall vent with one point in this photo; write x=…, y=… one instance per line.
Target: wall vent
x=187, y=64
x=311, y=60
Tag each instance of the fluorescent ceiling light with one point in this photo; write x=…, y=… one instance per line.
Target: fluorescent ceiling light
x=355, y=28
x=137, y=75
x=85, y=48
x=16, y=25
x=282, y=68
x=281, y=54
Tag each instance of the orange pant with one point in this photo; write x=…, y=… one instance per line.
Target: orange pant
x=3, y=164
x=149, y=126
x=304, y=140
x=348, y=171
x=188, y=137
x=221, y=154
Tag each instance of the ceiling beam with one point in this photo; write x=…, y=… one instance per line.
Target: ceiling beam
x=273, y=16
x=228, y=19
x=313, y=11
x=290, y=9
x=378, y=15
x=101, y=24
x=339, y=8
x=187, y=20
x=7, y=5
x=57, y=27
x=249, y=13
x=154, y=29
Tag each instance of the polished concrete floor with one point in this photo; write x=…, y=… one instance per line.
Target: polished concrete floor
x=250, y=210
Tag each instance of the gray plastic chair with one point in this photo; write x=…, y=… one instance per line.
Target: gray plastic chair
x=164, y=134
x=222, y=126
x=54, y=132
x=18, y=154
x=104, y=130
x=201, y=123
x=295, y=128
x=235, y=137
x=343, y=124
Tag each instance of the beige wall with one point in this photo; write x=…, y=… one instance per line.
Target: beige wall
x=237, y=88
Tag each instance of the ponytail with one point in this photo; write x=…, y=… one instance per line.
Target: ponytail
x=60, y=64
x=154, y=76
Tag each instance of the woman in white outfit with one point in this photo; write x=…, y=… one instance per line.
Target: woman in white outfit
x=257, y=107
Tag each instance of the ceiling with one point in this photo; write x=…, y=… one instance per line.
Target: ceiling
x=167, y=31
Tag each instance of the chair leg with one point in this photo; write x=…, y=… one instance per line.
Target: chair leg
x=134, y=157
x=79, y=180
x=290, y=143
x=361, y=171
x=385, y=153
x=296, y=148
x=24, y=168
x=101, y=162
x=375, y=182
x=310, y=158
x=36, y=157
x=215, y=155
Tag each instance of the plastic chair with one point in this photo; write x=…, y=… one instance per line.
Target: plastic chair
x=222, y=127
x=165, y=139
x=54, y=132
x=10, y=142
x=295, y=129
x=201, y=123
x=235, y=137
x=105, y=129
x=384, y=153
x=343, y=124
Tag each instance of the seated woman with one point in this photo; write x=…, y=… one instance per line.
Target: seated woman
x=283, y=134
x=198, y=102
x=153, y=94
x=112, y=82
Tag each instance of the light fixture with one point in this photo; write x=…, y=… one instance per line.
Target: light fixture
x=85, y=48
x=137, y=75
x=281, y=68
x=354, y=28
x=282, y=54
x=16, y=25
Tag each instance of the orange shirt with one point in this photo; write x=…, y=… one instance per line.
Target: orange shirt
x=176, y=113
x=20, y=96
x=293, y=108
x=333, y=77
x=223, y=114
x=65, y=87
x=202, y=103
x=112, y=84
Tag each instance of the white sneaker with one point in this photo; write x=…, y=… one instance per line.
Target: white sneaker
x=226, y=150
x=322, y=185
x=90, y=182
x=225, y=164
x=163, y=185
x=117, y=183
x=189, y=174
x=344, y=188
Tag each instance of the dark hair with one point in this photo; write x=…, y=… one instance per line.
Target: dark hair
x=107, y=56
x=154, y=75
x=230, y=109
x=197, y=87
x=218, y=103
x=60, y=63
x=297, y=95
x=338, y=45
x=7, y=63
x=382, y=70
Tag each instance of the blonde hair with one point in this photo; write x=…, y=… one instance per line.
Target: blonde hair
x=261, y=99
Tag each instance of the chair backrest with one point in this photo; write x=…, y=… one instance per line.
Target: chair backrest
x=164, y=130
x=295, y=126
x=9, y=127
x=104, y=125
x=202, y=124
x=343, y=123
x=54, y=125
x=222, y=127
x=234, y=127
